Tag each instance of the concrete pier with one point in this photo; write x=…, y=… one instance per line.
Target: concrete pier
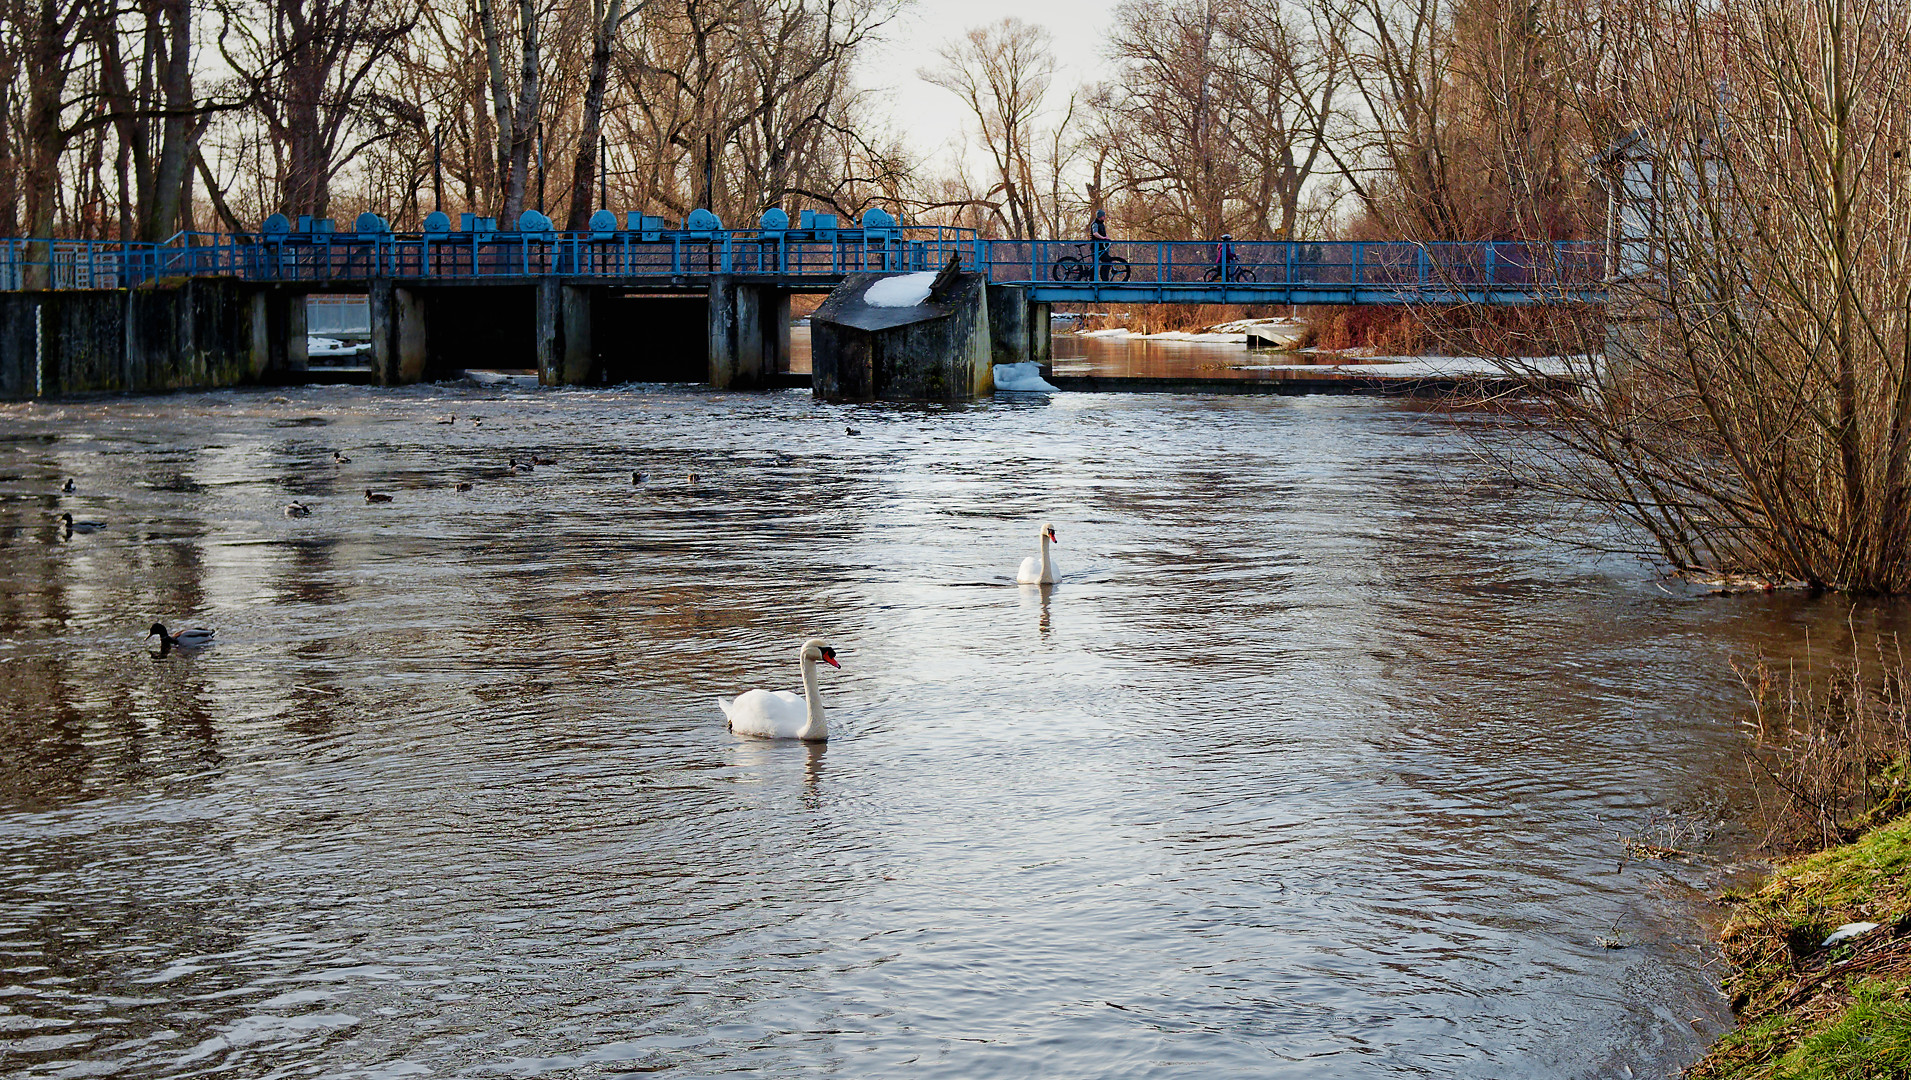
x=547, y=318
x=574, y=309
x=1009, y=323
x=938, y=350
x=400, y=332
x=749, y=327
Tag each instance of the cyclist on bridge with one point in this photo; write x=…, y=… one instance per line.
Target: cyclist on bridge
x=1224, y=259
x=1099, y=241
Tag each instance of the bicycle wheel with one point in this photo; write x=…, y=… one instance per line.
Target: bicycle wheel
x=1068, y=268
x=1212, y=273
x=1117, y=268
x=1243, y=273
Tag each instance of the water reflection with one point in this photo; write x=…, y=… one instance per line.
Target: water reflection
x=1036, y=597
x=1305, y=769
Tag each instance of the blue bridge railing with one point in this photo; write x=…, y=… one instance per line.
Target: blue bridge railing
x=1164, y=271
x=1068, y=269
x=324, y=257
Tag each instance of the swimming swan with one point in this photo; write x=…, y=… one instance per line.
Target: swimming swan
x=1039, y=571
x=781, y=714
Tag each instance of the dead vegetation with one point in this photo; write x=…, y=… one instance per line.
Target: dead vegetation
x=1830, y=746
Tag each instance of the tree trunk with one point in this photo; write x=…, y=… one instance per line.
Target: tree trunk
x=584, y=172
x=46, y=80
x=524, y=123
x=500, y=100
x=307, y=182
x=169, y=180
x=9, y=192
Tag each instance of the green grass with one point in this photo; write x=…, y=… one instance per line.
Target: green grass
x=1871, y=1041
x=1846, y=1028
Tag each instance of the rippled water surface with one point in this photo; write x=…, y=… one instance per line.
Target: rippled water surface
x=1312, y=765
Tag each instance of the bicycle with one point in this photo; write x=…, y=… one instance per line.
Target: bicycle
x=1082, y=267
x=1236, y=272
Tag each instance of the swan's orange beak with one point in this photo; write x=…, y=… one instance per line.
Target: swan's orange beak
x=829, y=657
x=1051, y=537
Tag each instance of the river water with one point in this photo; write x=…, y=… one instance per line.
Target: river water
x=1314, y=764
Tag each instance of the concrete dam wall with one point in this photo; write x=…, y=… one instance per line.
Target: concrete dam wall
x=200, y=333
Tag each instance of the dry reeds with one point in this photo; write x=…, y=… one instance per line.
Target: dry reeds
x=1830, y=748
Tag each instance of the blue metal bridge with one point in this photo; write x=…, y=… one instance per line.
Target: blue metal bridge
x=815, y=254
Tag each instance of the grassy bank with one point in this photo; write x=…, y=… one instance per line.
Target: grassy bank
x=1810, y=1010
x=1835, y=747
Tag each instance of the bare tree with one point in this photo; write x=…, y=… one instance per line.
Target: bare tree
x=1753, y=414
x=607, y=19
x=1288, y=83
x=1002, y=72
x=1222, y=114
x=311, y=69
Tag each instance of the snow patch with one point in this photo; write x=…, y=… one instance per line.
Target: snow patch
x=1021, y=378
x=907, y=290
x=1850, y=930
x=315, y=345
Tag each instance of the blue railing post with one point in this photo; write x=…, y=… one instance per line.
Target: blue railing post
x=1353, y=275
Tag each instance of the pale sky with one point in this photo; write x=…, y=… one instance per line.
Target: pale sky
x=932, y=118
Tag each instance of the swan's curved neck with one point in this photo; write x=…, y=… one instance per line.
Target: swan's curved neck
x=815, y=728
x=1048, y=568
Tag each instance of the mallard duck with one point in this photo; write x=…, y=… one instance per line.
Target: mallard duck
x=535, y=460
x=67, y=488
x=638, y=477
x=340, y=459
x=185, y=639
x=462, y=485
x=851, y=431
x=297, y=510
x=374, y=497
x=447, y=419
x=81, y=526
x=520, y=466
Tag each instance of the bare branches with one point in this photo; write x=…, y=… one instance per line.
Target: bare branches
x=1002, y=72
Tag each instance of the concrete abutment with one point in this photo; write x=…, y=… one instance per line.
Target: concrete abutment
x=941, y=349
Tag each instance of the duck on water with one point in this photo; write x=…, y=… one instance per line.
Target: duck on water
x=185, y=639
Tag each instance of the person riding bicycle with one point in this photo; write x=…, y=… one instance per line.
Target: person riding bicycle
x=1225, y=261
x=1099, y=241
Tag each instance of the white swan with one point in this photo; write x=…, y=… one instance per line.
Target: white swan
x=780, y=714
x=1039, y=571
